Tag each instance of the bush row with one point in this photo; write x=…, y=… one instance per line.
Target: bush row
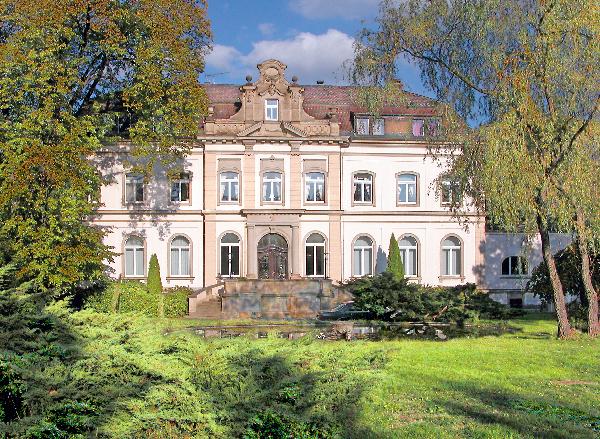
x=389, y=297
x=133, y=296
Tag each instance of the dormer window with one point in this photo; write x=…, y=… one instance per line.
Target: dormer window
x=369, y=126
x=271, y=109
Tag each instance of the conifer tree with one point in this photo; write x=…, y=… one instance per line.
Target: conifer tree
x=395, y=265
x=154, y=283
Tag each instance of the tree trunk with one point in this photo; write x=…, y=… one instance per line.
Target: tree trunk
x=586, y=277
x=564, y=327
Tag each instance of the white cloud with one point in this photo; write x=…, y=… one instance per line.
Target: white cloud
x=309, y=56
x=348, y=9
x=223, y=58
x=266, y=29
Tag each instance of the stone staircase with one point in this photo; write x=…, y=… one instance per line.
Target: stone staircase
x=206, y=303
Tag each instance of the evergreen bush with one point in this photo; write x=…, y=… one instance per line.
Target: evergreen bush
x=155, y=283
x=394, y=263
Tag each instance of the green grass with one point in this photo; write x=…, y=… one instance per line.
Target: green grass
x=523, y=384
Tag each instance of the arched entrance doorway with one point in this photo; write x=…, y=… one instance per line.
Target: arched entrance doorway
x=272, y=257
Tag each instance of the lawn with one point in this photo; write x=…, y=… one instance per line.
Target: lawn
x=159, y=384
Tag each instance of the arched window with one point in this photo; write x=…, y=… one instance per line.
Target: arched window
x=315, y=186
x=362, y=254
x=271, y=187
x=230, y=186
x=515, y=266
x=230, y=255
x=134, y=257
x=451, y=256
x=409, y=255
x=315, y=255
x=407, y=188
x=180, y=256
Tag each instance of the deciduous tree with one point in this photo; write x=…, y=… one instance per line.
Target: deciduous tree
x=526, y=72
x=74, y=75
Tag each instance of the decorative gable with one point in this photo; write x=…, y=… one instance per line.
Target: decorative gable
x=292, y=121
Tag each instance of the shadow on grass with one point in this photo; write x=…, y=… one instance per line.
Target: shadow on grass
x=261, y=393
x=525, y=415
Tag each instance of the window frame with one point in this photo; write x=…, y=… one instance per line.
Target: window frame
x=422, y=132
x=417, y=248
x=239, y=188
x=511, y=272
x=140, y=181
x=417, y=201
x=144, y=257
x=307, y=182
x=281, y=201
x=269, y=106
x=184, y=177
x=455, y=196
x=362, y=255
x=315, y=245
x=190, y=258
x=230, y=245
x=445, y=264
x=363, y=203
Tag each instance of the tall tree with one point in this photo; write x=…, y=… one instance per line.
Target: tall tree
x=394, y=262
x=525, y=71
x=73, y=75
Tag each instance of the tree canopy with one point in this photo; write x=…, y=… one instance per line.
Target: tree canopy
x=526, y=72
x=74, y=75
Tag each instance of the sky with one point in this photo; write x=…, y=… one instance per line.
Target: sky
x=313, y=37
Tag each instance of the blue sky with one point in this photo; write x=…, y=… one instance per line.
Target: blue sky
x=313, y=37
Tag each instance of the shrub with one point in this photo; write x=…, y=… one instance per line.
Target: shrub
x=106, y=299
x=155, y=283
x=135, y=297
x=395, y=265
x=391, y=298
x=176, y=301
x=269, y=424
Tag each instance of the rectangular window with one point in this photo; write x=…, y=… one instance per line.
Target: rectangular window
x=180, y=189
x=230, y=187
x=271, y=187
x=378, y=127
x=407, y=189
x=271, y=109
x=362, y=126
x=363, y=188
x=418, y=127
x=450, y=191
x=134, y=188
x=315, y=187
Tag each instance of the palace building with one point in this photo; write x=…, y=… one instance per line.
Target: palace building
x=297, y=182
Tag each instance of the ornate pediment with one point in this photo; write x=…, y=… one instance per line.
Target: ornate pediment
x=292, y=121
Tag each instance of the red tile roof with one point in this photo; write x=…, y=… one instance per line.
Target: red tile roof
x=319, y=100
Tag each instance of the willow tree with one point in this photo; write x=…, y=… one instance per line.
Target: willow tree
x=73, y=75
x=525, y=72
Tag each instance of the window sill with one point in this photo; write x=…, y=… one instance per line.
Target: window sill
x=134, y=277
x=515, y=276
x=452, y=277
x=399, y=204
x=169, y=278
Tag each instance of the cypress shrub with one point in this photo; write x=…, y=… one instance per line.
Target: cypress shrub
x=395, y=265
x=154, y=283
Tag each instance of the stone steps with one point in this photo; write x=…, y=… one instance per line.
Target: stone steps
x=209, y=309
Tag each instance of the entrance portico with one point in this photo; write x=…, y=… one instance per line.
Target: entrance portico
x=273, y=250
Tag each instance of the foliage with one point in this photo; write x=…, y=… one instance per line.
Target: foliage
x=135, y=297
x=72, y=76
x=176, y=301
x=568, y=262
x=154, y=284
x=391, y=298
x=82, y=374
x=394, y=263
x=527, y=73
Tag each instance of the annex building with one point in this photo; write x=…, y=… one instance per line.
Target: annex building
x=297, y=182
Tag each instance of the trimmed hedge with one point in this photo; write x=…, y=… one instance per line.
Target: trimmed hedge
x=133, y=296
x=176, y=301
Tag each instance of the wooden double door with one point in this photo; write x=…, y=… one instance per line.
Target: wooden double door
x=272, y=253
